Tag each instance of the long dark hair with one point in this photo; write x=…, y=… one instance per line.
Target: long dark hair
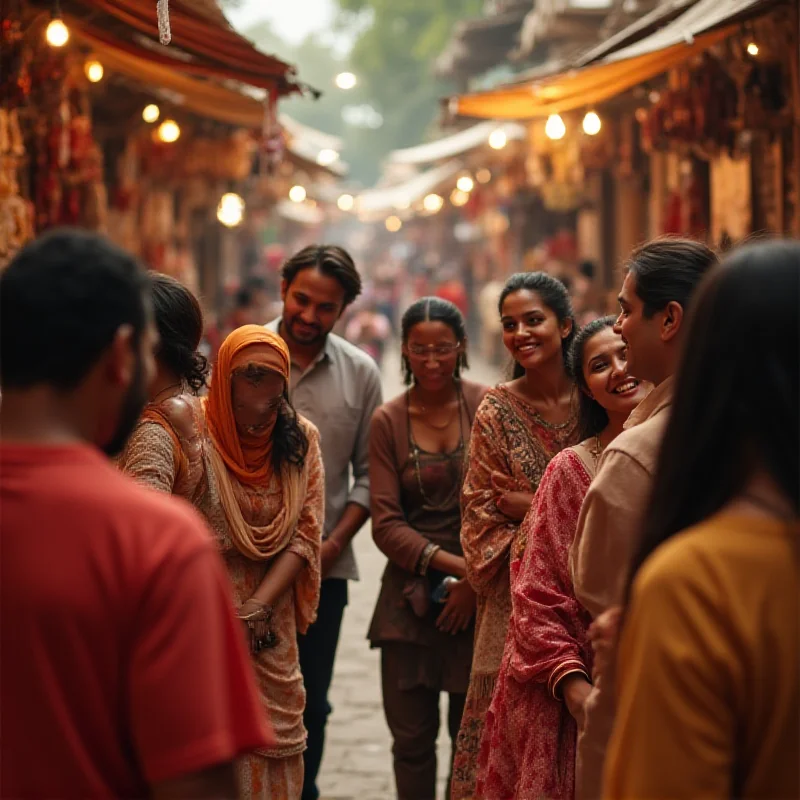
x=179, y=320
x=434, y=309
x=289, y=440
x=737, y=394
x=592, y=417
x=554, y=295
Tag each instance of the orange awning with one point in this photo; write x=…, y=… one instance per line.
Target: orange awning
x=698, y=28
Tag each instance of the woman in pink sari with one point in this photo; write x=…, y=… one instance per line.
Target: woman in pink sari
x=528, y=744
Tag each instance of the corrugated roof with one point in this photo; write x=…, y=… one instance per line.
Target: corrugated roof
x=661, y=14
x=703, y=16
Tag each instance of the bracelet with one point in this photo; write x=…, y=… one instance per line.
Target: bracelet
x=337, y=544
x=425, y=559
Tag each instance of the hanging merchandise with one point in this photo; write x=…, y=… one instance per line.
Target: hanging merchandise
x=162, y=12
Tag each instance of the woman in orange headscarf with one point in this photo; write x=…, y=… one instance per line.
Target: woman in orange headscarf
x=265, y=501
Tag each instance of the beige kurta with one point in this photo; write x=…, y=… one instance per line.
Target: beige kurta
x=601, y=554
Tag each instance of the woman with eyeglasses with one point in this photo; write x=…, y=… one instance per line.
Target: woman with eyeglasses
x=265, y=503
x=423, y=618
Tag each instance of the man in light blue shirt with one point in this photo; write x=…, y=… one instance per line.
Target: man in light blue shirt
x=337, y=387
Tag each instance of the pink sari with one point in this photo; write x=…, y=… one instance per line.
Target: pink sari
x=528, y=744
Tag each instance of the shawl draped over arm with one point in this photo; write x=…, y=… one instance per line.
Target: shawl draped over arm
x=549, y=624
x=486, y=533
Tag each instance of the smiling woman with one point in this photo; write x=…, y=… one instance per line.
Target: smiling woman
x=518, y=428
x=528, y=744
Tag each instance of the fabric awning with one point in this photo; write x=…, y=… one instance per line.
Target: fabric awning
x=214, y=48
x=390, y=199
x=698, y=28
x=205, y=98
x=455, y=145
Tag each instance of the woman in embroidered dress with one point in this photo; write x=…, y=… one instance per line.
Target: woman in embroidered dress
x=166, y=450
x=265, y=503
x=528, y=744
x=418, y=446
x=518, y=428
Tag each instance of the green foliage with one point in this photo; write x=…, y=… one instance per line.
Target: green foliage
x=396, y=43
x=393, y=57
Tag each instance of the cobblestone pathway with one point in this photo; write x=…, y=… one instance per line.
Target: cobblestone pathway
x=358, y=762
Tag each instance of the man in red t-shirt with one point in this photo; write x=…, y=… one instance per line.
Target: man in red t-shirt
x=124, y=671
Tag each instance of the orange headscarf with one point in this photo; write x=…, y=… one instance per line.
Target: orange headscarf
x=248, y=457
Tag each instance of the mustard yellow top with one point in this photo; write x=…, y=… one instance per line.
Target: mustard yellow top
x=709, y=679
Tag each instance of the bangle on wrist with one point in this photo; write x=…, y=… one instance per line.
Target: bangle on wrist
x=425, y=559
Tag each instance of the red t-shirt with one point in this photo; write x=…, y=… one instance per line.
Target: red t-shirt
x=122, y=662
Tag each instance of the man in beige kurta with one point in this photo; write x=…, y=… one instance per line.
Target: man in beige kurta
x=662, y=277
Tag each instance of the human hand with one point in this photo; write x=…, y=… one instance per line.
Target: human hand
x=331, y=550
x=603, y=634
x=515, y=505
x=458, y=608
x=575, y=689
x=251, y=607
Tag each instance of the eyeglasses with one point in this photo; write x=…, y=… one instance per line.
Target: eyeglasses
x=439, y=351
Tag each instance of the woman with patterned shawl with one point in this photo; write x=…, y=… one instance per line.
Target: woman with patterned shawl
x=518, y=428
x=528, y=744
x=167, y=449
x=265, y=503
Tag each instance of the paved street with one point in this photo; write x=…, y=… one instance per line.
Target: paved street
x=358, y=752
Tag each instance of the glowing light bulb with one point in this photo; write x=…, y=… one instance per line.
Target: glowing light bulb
x=151, y=113
x=459, y=198
x=94, y=71
x=483, y=175
x=346, y=81
x=393, y=224
x=230, y=211
x=465, y=183
x=752, y=49
x=327, y=157
x=554, y=127
x=433, y=203
x=498, y=139
x=592, y=124
x=169, y=131
x=346, y=202
x=57, y=33
x=297, y=194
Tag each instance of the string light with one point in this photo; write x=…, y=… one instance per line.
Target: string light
x=592, y=124
x=752, y=49
x=346, y=81
x=555, y=128
x=297, y=194
x=393, y=224
x=57, y=33
x=433, y=203
x=230, y=211
x=459, y=198
x=465, y=183
x=151, y=113
x=483, y=175
x=169, y=131
x=346, y=202
x=94, y=71
x=498, y=139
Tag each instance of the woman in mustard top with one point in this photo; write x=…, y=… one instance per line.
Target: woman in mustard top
x=708, y=671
